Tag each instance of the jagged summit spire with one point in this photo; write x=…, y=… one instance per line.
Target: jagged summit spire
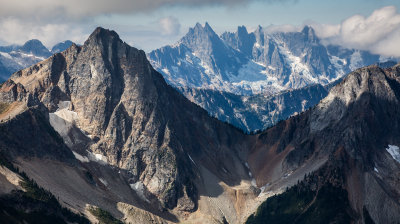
x=207, y=26
x=103, y=35
x=242, y=29
x=307, y=29
x=102, y=32
x=310, y=32
x=200, y=34
x=199, y=28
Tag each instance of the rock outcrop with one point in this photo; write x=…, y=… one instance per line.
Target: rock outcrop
x=107, y=102
x=353, y=127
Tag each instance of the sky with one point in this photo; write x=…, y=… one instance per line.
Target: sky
x=372, y=25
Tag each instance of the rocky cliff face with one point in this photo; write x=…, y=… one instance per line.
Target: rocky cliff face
x=356, y=127
x=111, y=106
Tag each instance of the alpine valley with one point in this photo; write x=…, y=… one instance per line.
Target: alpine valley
x=95, y=134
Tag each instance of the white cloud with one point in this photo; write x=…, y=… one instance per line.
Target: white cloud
x=16, y=31
x=378, y=33
x=52, y=21
x=169, y=25
x=78, y=9
x=282, y=28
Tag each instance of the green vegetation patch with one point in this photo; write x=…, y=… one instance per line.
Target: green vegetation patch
x=104, y=216
x=4, y=107
x=34, y=205
x=319, y=198
x=300, y=205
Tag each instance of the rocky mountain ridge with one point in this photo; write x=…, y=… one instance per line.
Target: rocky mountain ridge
x=223, y=74
x=356, y=125
x=258, y=62
x=111, y=108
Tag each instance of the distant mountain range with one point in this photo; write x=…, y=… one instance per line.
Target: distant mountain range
x=248, y=79
x=256, y=112
x=260, y=66
x=16, y=57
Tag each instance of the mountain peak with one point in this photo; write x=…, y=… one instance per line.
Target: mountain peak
x=114, y=92
x=101, y=32
x=62, y=46
x=309, y=32
x=103, y=38
x=102, y=35
x=33, y=42
x=241, y=30
x=198, y=28
x=307, y=29
x=35, y=47
x=199, y=34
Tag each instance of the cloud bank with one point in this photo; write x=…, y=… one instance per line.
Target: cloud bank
x=378, y=33
x=78, y=9
x=50, y=20
x=169, y=25
x=16, y=31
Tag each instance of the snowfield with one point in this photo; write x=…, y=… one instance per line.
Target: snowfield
x=394, y=151
x=138, y=187
x=63, y=120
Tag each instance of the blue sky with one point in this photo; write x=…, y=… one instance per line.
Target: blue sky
x=138, y=28
x=258, y=13
x=154, y=23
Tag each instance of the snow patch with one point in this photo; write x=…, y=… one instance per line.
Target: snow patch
x=254, y=182
x=103, y=181
x=99, y=158
x=93, y=157
x=93, y=71
x=254, y=106
x=191, y=159
x=63, y=120
x=6, y=55
x=356, y=60
x=138, y=187
x=262, y=189
x=394, y=151
x=81, y=158
x=303, y=105
x=166, y=71
x=376, y=170
x=288, y=174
